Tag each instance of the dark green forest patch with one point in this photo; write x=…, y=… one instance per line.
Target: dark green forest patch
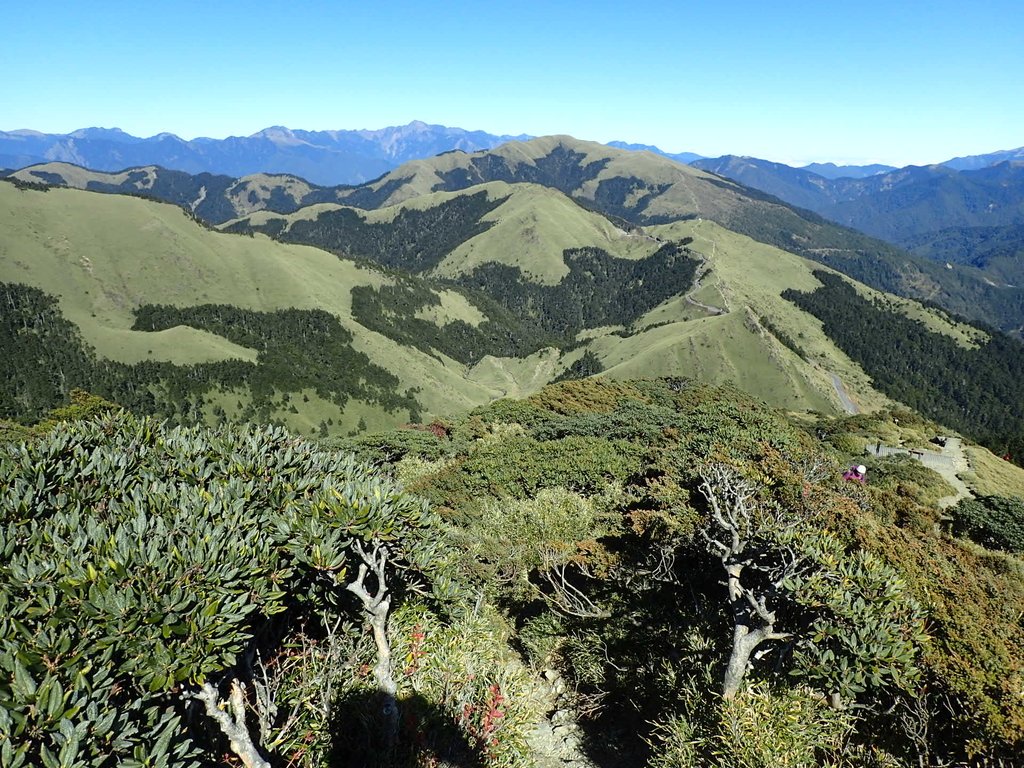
x=180, y=188
x=415, y=240
x=976, y=391
x=524, y=316
x=296, y=349
x=600, y=289
x=618, y=196
x=391, y=310
x=562, y=168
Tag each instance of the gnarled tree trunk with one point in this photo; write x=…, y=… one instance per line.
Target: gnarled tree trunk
x=735, y=524
x=376, y=608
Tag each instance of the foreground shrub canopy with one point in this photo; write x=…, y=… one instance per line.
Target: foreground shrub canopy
x=631, y=540
x=137, y=561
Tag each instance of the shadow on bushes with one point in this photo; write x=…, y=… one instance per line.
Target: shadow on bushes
x=426, y=735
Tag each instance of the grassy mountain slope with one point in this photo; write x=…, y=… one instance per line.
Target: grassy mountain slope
x=105, y=256
x=765, y=344
x=530, y=228
x=646, y=189
x=725, y=349
x=612, y=177
x=205, y=195
x=213, y=198
x=624, y=304
x=638, y=187
x=269, y=191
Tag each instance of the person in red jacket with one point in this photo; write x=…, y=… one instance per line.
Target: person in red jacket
x=857, y=474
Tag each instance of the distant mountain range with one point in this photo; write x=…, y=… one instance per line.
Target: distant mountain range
x=973, y=216
x=681, y=157
x=323, y=157
x=330, y=157
x=974, y=162
x=968, y=217
x=833, y=171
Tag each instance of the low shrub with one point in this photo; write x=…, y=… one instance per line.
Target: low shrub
x=996, y=522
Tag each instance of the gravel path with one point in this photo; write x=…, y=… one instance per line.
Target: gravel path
x=950, y=462
x=701, y=271
x=954, y=450
x=848, y=405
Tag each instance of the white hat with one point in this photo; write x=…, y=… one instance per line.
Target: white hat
x=861, y=468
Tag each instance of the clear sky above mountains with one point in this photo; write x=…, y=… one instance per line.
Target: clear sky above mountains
x=792, y=81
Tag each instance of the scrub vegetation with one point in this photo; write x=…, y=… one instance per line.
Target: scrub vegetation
x=686, y=563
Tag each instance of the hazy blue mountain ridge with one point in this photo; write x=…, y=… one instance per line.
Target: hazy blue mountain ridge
x=899, y=206
x=321, y=157
x=680, y=157
x=796, y=186
x=914, y=201
x=833, y=171
x=973, y=162
x=643, y=189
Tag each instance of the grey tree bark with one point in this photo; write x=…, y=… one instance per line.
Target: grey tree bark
x=376, y=608
x=230, y=718
x=735, y=527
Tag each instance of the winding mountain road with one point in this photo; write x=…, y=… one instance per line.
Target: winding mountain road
x=702, y=270
x=848, y=405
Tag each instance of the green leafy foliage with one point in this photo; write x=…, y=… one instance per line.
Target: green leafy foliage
x=568, y=527
x=867, y=628
x=519, y=467
x=762, y=728
x=386, y=448
x=466, y=670
x=140, y=560
x=996, y=522
x=522, y=546
x=648, y=622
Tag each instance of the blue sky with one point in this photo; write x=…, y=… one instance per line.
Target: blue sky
x=896, y=81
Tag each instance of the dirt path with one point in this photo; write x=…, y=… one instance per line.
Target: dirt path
x=950, y=462
x=702, y=270
x=954, y=450
x=848, y=405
